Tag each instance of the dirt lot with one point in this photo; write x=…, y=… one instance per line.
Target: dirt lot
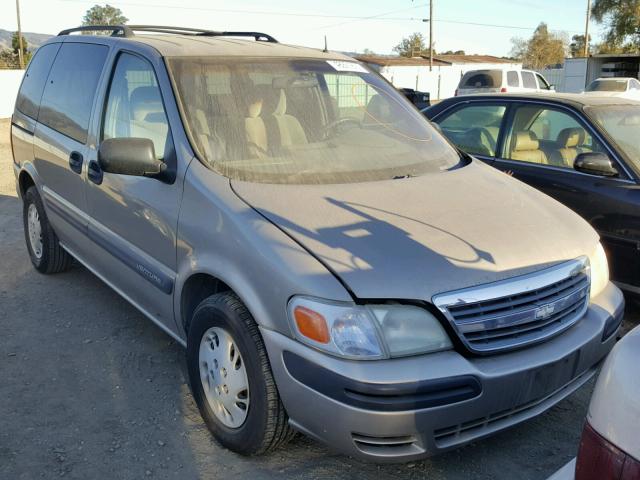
x=89, y=388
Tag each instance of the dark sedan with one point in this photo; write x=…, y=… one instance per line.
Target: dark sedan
x=584, y=151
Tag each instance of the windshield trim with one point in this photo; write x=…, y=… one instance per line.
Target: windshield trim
x=462, y=159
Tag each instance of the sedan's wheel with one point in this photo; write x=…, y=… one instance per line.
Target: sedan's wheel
x=231, y=378
x=45, y=252
x=224, y=377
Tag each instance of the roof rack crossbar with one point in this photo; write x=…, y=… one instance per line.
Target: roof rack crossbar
x=128, y=31
x=116, y=30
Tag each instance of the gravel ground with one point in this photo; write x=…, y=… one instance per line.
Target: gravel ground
x=89, y=388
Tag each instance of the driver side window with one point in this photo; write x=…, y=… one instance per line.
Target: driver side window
x=134, y=106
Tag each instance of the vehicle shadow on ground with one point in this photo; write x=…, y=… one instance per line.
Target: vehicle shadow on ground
x=92, y=389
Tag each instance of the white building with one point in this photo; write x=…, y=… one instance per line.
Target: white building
x=441, y=82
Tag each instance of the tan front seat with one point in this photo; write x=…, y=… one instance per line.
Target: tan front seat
x=289, y=127
x=526, y=147
x=255, y=128
x=568, y=146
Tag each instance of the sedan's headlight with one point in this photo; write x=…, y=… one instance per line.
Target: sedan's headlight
x=366, y=331
x=599, y=270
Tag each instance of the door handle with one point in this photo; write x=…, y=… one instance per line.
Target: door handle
x=94, y=172
x=75, y=162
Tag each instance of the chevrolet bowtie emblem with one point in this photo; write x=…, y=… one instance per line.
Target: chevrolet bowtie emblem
x=544, y=312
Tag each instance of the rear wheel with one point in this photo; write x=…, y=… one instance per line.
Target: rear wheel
x=45, y=252
x=231, y=378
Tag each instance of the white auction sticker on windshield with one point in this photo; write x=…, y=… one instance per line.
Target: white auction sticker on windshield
x=342, y=66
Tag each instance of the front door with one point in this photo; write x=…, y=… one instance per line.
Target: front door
x=540, y=146
x=133, y=220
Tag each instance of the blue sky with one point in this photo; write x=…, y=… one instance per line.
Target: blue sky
x=307, y=22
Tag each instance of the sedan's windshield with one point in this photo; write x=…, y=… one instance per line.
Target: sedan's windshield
x=303, y=121
x=621, y=122
x=607, y=86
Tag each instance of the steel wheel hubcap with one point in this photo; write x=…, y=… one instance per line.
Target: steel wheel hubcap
x=224, y=377
x=34, y=229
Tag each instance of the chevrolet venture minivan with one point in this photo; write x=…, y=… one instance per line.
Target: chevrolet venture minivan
x=331, y=263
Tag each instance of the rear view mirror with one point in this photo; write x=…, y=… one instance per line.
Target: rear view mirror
x=130, y=156
x=595, y=163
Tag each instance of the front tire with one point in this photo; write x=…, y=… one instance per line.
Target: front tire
x=45, y=252
x=231, y=378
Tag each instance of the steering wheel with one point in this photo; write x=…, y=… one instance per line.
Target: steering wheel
x=331, y=126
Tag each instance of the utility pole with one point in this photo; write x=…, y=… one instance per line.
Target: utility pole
x=586, y=30
x=20, y=48
x=430, y=34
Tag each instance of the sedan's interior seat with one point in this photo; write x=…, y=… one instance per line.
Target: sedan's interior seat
x=569, y=145
x=526, y=147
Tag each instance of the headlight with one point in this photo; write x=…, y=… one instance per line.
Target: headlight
x=366, y=332
x=599, y=271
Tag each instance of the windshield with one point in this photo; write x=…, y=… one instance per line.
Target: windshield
x=607, y=86
x=303, y=121
x=621, y=122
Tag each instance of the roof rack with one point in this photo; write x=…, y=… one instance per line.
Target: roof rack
x=128, y=31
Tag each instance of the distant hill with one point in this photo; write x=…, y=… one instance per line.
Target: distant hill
x=33, y=39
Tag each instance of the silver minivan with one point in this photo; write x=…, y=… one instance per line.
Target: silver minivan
x=331, y=263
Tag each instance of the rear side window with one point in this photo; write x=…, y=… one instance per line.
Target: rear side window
x=482, y=79
x=512, y=79
x=30, y=93
x=71, y=87
x=528, y=80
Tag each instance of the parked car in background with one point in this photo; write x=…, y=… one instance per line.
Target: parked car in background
x=610, y=444
x=584, y=151
x=501, y=81
x=615, y=87
x=419, y=99
x=275, y=225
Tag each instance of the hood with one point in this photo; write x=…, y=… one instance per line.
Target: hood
x=415, y=237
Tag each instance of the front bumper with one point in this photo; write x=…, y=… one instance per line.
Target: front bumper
x=408, y=408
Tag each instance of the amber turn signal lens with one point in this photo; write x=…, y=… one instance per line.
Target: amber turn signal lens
x=311, y=324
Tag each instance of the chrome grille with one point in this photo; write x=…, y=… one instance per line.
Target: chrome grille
x=520, y=311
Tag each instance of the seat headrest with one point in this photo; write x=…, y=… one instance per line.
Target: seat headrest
x=145, y=101
x=281, y=107
x=523, y=141
x=262, y=101
x=571, y=137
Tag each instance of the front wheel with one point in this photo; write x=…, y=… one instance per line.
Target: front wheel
x=231, y=378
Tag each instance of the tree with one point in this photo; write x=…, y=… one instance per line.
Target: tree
x=576, y=47
x=15, y=48
x=452, y=52
x=107, y=15
x=622, y=19
x=542, y=49
x=412, y=46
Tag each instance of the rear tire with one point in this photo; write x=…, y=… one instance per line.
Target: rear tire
x=45, y=252
x=222, y=324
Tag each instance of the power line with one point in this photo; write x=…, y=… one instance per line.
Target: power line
x=256, y=12
x=351, y=18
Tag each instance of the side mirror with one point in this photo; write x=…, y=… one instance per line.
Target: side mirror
x=595, y=163
x=130, y=156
